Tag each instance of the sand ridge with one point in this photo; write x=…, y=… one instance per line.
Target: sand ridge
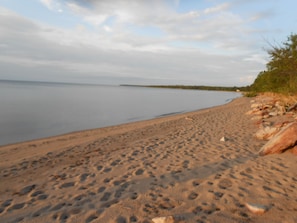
x=173, y=165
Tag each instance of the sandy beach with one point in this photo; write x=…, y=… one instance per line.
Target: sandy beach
x=171, y=166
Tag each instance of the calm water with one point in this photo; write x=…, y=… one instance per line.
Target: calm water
x=34, y=110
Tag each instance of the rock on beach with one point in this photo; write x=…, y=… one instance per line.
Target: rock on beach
x=168, y=219
x=256, y=208
x=285, y=139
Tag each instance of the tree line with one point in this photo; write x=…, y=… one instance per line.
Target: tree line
x=201, y=87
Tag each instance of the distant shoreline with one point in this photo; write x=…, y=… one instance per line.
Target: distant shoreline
x=184, y=87
x=192, y=87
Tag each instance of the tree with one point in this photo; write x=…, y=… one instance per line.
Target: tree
x=281, y=74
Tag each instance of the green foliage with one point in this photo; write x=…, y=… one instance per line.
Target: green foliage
x=281, y=73
x=250, y=94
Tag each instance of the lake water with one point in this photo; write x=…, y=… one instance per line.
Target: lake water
x=31, y=110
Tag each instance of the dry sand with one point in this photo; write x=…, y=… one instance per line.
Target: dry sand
x=174, y=165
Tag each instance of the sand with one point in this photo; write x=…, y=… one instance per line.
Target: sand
x=171, y=166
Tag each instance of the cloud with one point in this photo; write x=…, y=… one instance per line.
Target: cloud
x=259, y=58
x=53, y=5
x=47, y=3
x=115, y=46
x=210, y=25
x=128, y=19
x=262, y=15
x=218, y=8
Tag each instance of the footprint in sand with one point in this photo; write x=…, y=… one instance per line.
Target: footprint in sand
x=218, y=195
x=40, y=211
x=192, y=196
x=150, y=209
x=58, y=206
x=153, y=196
x=118, y=182
x=107, y=169
x=27, y=189
x=63, y=216
x=36, y=193
x=83, y=177
x=91, y=218
x=204, y=209
x=218, y=176
x=99, y=167
x=167, y=204
x=195, y=183
x=125, y=185
x=134, y=196
x=106, y=196
x=6, y=203
x=121, y=219
x=139, y=172
x=107, y=180
x=116, y=162
x=225, y=183
x=108, y=204
x=135, y=153
x=16, y=206
x=42, y=197
x=133, y=219
x=197, y=210
x=79, y=197
x=118, y=193
x=101, y=189
x=68, y=184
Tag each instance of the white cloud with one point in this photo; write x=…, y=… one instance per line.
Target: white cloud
x=262, y=15
x=218, y=8
x=190, y=46
x=53, y=5
x=76, y=8
x=47, y=3
x=211, y=25
x=96, y=19
x=258, y=58
x=249, y=79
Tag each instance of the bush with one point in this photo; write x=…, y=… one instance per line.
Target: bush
x=250, y=94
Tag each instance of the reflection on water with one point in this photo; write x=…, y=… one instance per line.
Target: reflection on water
x=31, y=110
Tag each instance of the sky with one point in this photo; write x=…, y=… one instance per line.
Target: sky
x=188, y=42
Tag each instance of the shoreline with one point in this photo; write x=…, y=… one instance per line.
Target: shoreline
x=83, y=136
x=79, y=132
x=92, y=112
x=174, y=165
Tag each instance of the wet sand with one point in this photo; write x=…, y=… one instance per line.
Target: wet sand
x=175, y=165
